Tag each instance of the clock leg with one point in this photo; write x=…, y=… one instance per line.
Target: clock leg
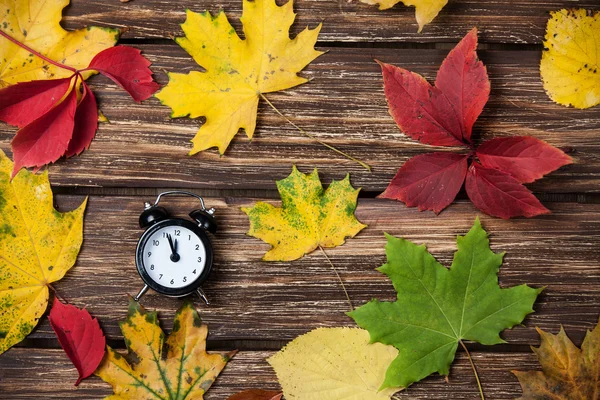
x=202, y=295
x=141, y=293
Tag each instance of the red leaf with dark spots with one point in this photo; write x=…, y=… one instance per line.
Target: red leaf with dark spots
x=420, y=110
x=46, y=139
x=128, y=68
x=525, y=158
x=463, y=80
x=79, y=335
x=25, y=102
x=500, y=195
x=86, y=123
x=429, y=181
x=256, y=394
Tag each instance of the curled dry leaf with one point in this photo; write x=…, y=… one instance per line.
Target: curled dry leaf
x=309, y=216
x=567, y=372
x=38, y=245
x=176, y=368
x=237, y=72
x=425, y=10
x=79, y=335
x=437, y=307
x=444, y=115
x=569, y=67
x=334, y=364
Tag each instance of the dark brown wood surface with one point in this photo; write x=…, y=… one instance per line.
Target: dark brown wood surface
x=257, y=307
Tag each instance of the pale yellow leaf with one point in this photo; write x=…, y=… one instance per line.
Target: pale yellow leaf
x=334, y=364
x=425, y=10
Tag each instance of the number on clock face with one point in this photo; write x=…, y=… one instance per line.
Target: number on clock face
x=167, y=270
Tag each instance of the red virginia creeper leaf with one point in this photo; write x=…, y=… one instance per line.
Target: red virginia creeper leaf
x=86, y=123
x=256, y=394
x=498, y=194
x=79, y=335
x=420, y=110
x=463, y=80
x=46, y=139
x=429, y=181
x=524, y=157
x=25, y=102
x=128, y=68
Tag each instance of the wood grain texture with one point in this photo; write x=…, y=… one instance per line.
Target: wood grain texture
x=248, y=369
x=254, y=300
x=343, y=105
x=501, y=21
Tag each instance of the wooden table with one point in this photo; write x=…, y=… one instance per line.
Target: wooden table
x=257, y=307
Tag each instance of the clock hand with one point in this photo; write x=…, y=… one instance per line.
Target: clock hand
x=174, y=256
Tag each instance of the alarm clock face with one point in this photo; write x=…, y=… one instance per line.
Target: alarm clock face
x=174, y=257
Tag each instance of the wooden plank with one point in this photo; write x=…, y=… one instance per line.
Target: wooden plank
x=52, y=375
x=255, y=300
x=501, y=21
x=343, y=105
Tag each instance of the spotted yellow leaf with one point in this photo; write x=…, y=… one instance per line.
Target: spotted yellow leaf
x=309, y=216
x=334, y=364
x=425, y=10
x=570, y=65
x=38, y=245
x=237, y=72
x=178, y=368
x=36, y=23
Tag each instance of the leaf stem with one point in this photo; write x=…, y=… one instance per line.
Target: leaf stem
x=313, y=137
x=339, y=278
x=474, y=369
x=43, y=57
x=62, y=299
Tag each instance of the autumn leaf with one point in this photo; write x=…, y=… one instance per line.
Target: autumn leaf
x=257, y=394
x=444, y=115
x=334, y=364
x=309, y=216
x=437, y=308
x=38, y=245
x=567, y=372
x=55, y=120
x=237, y=72
x=569, y=68
x=79, y=335
x=36, y=23
x=176, y=368
x=425, y=10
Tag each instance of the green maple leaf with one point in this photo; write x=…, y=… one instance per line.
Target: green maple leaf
x=437, y=307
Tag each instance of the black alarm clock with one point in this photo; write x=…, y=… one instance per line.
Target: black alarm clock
x=174, y=256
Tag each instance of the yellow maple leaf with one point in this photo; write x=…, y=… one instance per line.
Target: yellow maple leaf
x=570, y=67
x=185, y=372
x=309, y=217
x=567, y=372
x=334, y=364
x=36, y=23
x=238, y=71
x=425, y=10
x=38, y=245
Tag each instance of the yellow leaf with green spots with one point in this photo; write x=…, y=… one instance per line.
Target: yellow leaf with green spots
x=425, y=10
x=36, y=23
x=237, y=71
x=176, y=368
x=38, y=245
x=570, y=66
x=309, y=216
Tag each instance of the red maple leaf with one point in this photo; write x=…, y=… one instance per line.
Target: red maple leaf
x=79, y=335
x=444, y=115
x=59, y=117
